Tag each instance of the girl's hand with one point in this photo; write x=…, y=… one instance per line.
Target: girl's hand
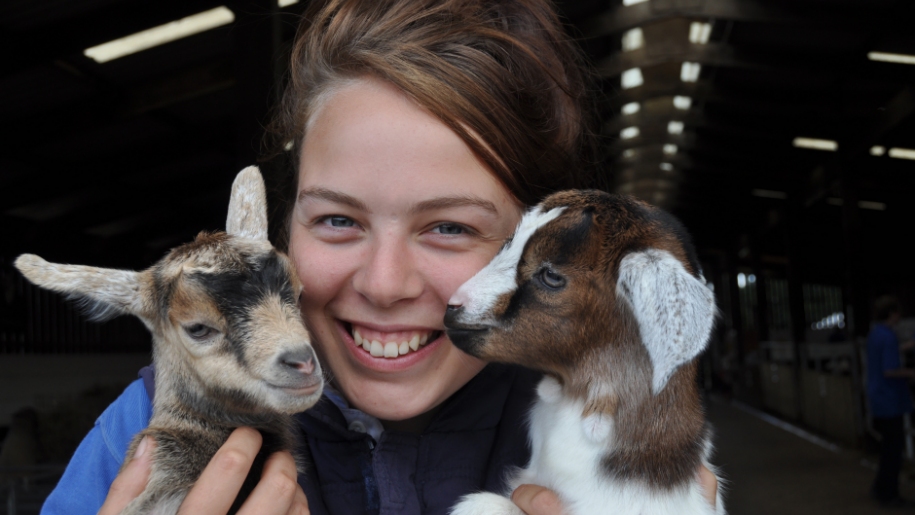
x=538, y=500
x=278, y=491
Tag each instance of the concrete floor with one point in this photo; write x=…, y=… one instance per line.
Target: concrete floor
x=770, y=470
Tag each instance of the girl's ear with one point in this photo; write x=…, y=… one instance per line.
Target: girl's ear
x=103, y=292
x=248, y=206
x=675, y=311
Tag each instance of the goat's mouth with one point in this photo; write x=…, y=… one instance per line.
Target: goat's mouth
x=468, y=338
x=390, y=345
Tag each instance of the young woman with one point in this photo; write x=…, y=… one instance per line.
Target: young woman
x=421, y=129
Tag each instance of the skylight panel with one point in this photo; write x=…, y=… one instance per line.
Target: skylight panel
x=891, y=58
x=816, y=144
x=689, y=72
x=681, y=102
x=286, y=3
x=902, y=153
x=632, y=78
x=160, y=35
x=633, y=2
x=878, y=150
x=781, y=195
x=629, y=132
x=631, y=108
x=667, y=167
x=699, y=32
x=670, y=149
x=633, y=39
x=675, y=127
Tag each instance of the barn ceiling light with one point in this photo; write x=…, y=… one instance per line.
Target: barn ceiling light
x=632, y=78
x=902, y=153
x=633, y=2
x=667, y=167
x=286, y=3
x=629, y=132
x=699, y=32
x=160, y=35
x=891, y=58
x=863, y=204
x=631, y=108
x=675, y=127
x=877, y=150
x=633, y=39
x=816, y=144
x=670, y=149
x=781, y=195
x=689, y=72
x=681, y=102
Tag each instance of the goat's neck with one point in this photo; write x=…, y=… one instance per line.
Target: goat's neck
x=659, y=437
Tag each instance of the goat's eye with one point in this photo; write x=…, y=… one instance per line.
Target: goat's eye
x=199, y=331
x=551, y=279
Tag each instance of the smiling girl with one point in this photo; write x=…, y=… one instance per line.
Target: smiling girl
x=420, y=129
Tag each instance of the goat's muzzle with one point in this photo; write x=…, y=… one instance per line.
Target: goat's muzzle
x=467, y=337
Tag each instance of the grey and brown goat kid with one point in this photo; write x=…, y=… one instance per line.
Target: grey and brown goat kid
x=229, y=346
x=604, y=295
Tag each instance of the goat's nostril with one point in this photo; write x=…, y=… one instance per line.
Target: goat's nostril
x=453, y=307
x=300, y=361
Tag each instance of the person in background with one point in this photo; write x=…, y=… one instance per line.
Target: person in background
x=889, y=397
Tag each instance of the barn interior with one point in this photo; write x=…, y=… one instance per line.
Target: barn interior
x=781, y=132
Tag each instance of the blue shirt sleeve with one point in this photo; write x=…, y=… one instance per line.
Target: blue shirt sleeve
x=94, y=465
x=889, y=355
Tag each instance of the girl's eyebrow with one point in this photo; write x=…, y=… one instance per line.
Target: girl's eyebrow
x=332, y=196
x=426, y=205
x=454, y=201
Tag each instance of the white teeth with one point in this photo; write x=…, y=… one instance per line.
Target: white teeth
x=389, y=349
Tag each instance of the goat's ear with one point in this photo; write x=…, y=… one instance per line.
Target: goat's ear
x=103, y=293
x=248, y=206
x=675, y=310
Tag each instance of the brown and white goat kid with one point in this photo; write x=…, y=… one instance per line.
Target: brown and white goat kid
x=603, y=294
x=229, y=346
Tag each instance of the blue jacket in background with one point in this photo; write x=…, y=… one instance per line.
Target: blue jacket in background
x=477, y=436
x=888, y=396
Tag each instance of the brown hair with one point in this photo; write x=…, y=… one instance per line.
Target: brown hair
x=503, y=70
x=885, y=306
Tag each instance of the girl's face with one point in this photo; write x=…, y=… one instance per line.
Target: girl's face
x=393, y=213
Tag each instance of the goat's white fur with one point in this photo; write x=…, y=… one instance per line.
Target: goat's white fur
x=674, y=309
x=565, y=458
x=479, y=294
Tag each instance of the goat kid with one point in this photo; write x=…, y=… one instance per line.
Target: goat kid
x=229, y=346
x=603, y=294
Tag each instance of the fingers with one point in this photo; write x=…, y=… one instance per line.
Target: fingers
x=537, y=500
x=131, y=481
x=278, y=491
x=709, y=482
x=221, y=480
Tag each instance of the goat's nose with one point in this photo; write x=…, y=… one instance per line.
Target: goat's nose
x=452, y=312
x=302, y=360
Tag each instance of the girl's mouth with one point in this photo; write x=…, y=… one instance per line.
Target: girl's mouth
x=390, y=345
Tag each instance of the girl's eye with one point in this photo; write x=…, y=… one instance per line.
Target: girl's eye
x=450, y=229
x=339, y=221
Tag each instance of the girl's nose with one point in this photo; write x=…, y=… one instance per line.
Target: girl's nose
x=389, y=274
